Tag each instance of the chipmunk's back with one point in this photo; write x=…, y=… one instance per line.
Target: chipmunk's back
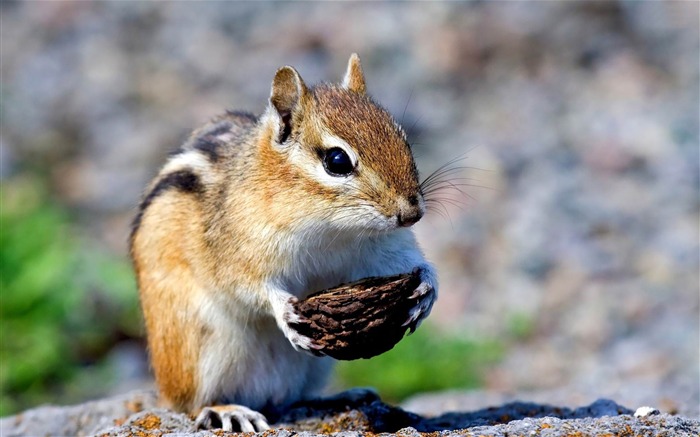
x=222, y=136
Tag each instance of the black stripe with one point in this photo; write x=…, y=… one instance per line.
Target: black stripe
x=219, y=128
x=181, y=180
x=208, y=143
x=210, y=147
x=242, y=114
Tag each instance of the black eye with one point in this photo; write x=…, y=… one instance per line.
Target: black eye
x=337, y=162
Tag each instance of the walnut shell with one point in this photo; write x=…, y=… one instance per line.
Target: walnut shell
x=361, y=319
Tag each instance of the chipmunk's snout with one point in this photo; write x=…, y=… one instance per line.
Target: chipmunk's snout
x=409, y=213
x=407, y=219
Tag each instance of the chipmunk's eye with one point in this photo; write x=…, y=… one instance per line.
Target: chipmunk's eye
x=337, y=162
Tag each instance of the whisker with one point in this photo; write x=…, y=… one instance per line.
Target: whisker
x=441, y=173
x=441, y=205
x=459, y=158
x=406, y=107
x=437, y=210
x=454, y=202
x=413, y=127
x=447, y=185
x=445, y=176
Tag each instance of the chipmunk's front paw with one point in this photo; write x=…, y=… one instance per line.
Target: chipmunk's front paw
x=231, y=418
x=290, y=317
x=425, y=295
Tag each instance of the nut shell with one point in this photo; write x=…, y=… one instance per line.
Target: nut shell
x=360, y=319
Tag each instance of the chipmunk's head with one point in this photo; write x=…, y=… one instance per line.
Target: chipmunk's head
x=350, y=161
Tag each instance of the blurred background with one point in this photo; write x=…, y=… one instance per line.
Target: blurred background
x=569, y=267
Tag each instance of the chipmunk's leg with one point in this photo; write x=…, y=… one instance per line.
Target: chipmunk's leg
x=282, y=303
x=229, y=417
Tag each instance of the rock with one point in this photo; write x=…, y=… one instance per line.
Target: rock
x=665, y=425
x=353, y=413
x=646, y=411
x=79, y=420
x=155, y=421
x=670, y=398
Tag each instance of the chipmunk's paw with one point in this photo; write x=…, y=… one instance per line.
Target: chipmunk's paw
x=300, y=342
x=231, y=418
x=425, y=295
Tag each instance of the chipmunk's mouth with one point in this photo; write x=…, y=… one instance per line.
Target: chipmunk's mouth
x=370, y=219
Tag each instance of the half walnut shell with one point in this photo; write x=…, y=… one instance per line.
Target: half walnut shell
x=361, y=319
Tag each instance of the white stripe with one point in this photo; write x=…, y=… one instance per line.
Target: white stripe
x=191, y=160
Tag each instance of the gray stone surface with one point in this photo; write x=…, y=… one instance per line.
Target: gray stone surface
x=351, y=414
x=78, y=420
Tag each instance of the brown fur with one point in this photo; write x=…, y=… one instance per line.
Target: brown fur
x=376, y=142
x=166, y=284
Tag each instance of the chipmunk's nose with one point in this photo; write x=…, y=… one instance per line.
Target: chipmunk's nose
x=409, y=216
x=406, y=220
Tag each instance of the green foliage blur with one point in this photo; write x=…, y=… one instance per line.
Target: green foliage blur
x=61, y=309
x=427, y=360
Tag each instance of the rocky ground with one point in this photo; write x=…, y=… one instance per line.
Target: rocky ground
x=577, y=247
x=135, y=414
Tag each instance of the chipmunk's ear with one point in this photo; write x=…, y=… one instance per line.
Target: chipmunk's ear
x=288, y=92
x=354, y=79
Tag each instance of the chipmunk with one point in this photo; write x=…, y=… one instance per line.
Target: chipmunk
x=253, y=213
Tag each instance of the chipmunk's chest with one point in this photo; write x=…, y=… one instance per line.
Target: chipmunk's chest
x=317, y=269
x=327, y=264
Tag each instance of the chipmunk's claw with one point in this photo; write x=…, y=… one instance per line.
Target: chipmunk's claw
x=231, y=418
x=426, y=295
x=298, y=341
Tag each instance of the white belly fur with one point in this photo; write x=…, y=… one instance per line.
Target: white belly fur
x=251, y=363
